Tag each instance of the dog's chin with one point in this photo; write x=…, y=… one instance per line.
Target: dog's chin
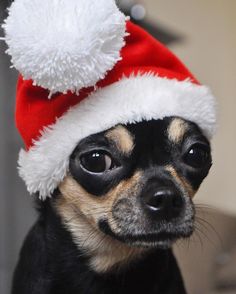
x=161, y=240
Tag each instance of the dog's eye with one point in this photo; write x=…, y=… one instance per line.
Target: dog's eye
x=97, y=162
x=197, y=156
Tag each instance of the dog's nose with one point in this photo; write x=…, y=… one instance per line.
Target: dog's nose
x=164, y=203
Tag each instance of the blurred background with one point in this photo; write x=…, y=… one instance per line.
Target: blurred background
x=203, y=34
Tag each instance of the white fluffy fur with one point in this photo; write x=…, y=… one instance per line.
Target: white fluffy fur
x=64, y=44
x=130, y=100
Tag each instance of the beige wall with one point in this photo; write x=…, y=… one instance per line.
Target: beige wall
x=209, y=50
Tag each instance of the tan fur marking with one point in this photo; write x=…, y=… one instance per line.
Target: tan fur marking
x=176, y=130
x=122, y=139
x=88, y=204
x=181, y=181
x=81, y=211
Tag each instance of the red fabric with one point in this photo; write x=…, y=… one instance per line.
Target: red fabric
x=141, y=54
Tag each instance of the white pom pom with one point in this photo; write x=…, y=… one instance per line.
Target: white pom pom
x=64, y=44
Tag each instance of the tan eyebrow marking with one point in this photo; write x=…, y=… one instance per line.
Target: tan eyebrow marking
x=177, y=130
x=122, y=138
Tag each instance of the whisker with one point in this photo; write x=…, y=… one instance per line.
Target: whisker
x=209, y=227
x=198, y=235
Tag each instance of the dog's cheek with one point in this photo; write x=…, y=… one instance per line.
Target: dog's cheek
x=81, y=212
x=95, y=208
x=124, y=203
x=89, y=206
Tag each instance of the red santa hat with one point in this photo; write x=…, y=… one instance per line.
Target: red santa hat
x=84, y=69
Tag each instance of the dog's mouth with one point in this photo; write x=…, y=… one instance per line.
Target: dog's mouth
x=162, y=239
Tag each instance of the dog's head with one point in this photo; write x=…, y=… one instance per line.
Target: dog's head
x=133, y=185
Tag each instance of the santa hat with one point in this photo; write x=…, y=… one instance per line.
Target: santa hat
x=84, y=69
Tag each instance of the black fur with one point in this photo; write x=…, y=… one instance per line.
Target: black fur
x=152, y=149
x=51, y=263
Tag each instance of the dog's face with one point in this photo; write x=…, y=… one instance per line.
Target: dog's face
x=134, y=184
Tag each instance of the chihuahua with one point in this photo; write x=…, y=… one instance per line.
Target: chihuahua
x=110, y=225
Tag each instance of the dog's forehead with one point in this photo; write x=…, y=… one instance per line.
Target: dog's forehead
x=177, y=129
x=126, y=136
x=122, y=138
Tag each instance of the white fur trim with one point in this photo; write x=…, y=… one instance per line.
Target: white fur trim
x=129, y=100
x=64, y=44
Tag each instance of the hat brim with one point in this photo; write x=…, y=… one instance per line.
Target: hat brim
x=130, y=100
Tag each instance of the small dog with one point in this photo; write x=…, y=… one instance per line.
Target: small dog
x=110, y=226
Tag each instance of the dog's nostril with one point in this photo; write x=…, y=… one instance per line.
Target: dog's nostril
x=165, y=203
x=157, y=201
